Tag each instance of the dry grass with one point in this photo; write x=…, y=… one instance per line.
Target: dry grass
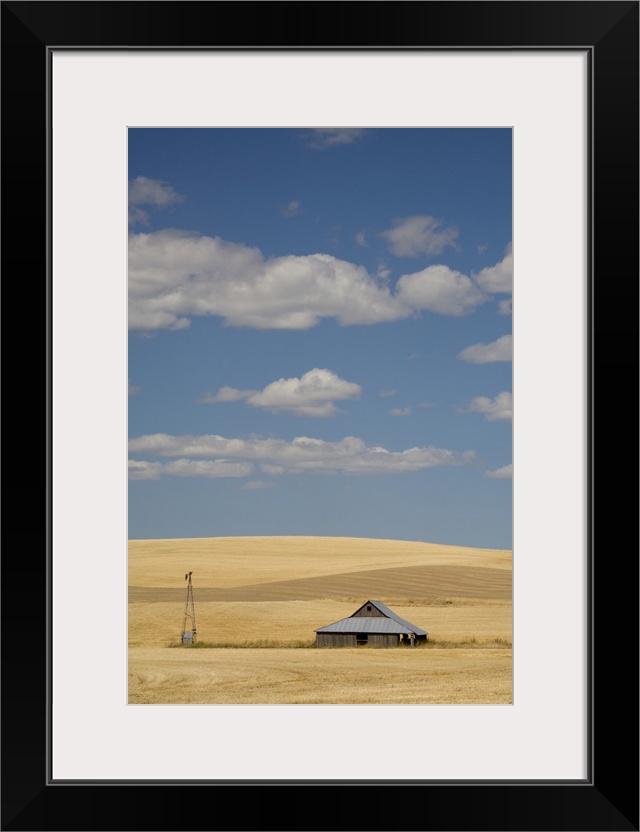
x=349, y=676
x=258, y=593
x=289, y=622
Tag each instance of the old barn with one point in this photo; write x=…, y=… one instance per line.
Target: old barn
x=373, y=623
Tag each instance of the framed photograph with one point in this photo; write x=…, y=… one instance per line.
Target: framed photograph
x=528, y=108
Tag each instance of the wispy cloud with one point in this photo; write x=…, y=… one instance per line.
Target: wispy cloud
x=256, y=485
x=323, y=137
x=133, y=388
x=292, y=209
x=313, y=394
x=494, y=410
x=217, y=456
x=225, y=394
x=411, y=236
x=401, y=411
x=386, y=393
x=209, y=468
x=500, y=350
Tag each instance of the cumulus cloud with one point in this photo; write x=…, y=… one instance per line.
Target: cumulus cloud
x=174, y=274
x=439, y=289
x=494, y=410
x=322, y=137
x=411, y=236
x=276, y=456
x=505, y=307
x=500, y=350
x=141, y=470
x=504, y=473
x=499, y=278
x=154, y=192
x=314, y=394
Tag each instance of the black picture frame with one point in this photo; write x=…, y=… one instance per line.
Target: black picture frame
x=608, y=798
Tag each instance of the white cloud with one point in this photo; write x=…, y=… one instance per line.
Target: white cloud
x=401, y=411
x=313, y=394
x=499, y=278
x=504, y=473
x=174, y=274
x=361, y=238
x=411, y=236
x=141, y=470
x=322, y=137
x=505, y=307
x=145, y=191
x=500, y=350
x=498, y=409
x=386, y=393
x=439, y=289
x=275, y=456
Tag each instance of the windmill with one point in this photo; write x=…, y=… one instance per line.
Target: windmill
x=189, y=635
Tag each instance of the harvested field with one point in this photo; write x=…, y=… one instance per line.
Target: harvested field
x=290, y=623
x=346, y=676
x=258, y=593
x=401, y=582
x=242, y=561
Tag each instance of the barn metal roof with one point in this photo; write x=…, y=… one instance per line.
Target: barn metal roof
x=366, y=625
x=392, y=623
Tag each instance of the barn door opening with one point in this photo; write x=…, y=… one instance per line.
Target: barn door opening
x=362, y=638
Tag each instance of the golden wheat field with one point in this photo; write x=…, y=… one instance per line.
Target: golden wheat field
x=258, y=601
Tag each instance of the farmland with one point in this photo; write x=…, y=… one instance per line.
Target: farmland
x=259, y=600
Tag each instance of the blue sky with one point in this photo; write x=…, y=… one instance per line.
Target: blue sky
x=320, y=333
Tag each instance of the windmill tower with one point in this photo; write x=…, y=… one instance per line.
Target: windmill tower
x=189, y=618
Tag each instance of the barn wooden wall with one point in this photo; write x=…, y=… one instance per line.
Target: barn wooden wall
x=363, y=613
x=349, y=640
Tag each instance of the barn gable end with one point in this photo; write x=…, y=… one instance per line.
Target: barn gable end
x=373, y=623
